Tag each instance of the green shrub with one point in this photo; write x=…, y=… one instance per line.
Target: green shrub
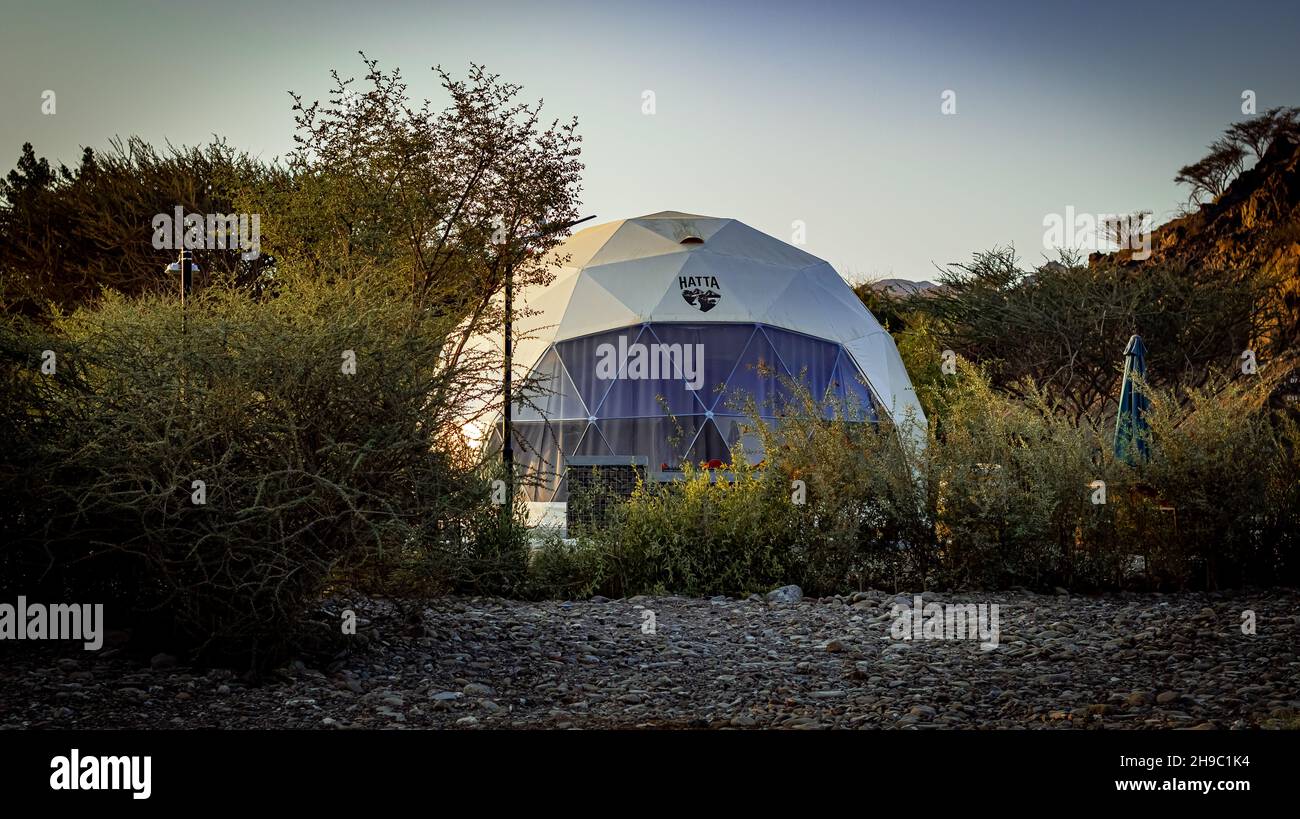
x=565, y=569
x=1224, y=477
x=1013, y=486
x=309, y=473
x=1000, y=494
x=702, y=536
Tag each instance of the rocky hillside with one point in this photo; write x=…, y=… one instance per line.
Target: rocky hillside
x=901, y=287
x=1254, y=225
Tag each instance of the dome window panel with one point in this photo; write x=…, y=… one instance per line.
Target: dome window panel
x=756, y=378
x=719, y=346
x=708, y=449
x=581, y=356
x=850, y=387
x=549, y=393
x=809, y=361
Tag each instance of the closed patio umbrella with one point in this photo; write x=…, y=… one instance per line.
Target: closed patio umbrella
x=1131, y=428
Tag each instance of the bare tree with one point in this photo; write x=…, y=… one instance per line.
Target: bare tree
x=1126, y=231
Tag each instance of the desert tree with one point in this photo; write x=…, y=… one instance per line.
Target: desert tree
x=1209, y=177
x=1061, y=328
x=444, y=198
x=1260, y=132
x=67, y=235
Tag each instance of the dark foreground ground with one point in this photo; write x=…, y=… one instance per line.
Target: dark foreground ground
x=1139, y=661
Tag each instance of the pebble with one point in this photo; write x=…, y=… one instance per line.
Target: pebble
x=1116, y=662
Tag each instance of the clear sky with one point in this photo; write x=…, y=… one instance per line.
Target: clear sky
x=825, y=112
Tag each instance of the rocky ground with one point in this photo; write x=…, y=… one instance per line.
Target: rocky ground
x=1124, y=661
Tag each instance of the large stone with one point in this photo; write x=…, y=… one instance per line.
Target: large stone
x=785, y=594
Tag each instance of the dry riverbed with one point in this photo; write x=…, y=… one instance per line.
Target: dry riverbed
x=1113, y=662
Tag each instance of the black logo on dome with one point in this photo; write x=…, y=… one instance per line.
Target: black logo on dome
x=700, y=292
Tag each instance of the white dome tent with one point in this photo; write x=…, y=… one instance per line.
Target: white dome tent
x=749, y=307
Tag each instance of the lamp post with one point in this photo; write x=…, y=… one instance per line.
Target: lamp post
x=508, y=444
x=187, y=268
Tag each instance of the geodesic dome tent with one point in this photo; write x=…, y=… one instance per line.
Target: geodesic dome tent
x=739, y=308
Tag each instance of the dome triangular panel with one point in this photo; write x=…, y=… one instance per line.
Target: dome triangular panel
x=752, y=311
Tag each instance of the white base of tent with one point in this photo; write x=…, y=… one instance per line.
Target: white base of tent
x=546, y=517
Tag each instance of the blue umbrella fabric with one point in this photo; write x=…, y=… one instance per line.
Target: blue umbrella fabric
x=1131, y=428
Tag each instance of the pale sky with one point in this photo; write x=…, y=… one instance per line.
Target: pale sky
x=829, y=113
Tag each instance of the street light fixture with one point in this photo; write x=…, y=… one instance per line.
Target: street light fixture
x=187, y=268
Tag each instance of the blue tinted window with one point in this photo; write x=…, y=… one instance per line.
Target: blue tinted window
x=660, y=419
x=809, y=361
x=581, y=356
x=756, y=376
